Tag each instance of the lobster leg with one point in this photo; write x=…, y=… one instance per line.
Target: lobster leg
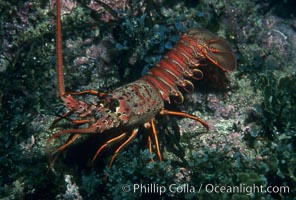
x=186, y=115
x=154, y=132
x=131, y=137
x=92, y=92
x=91, y=129
x=80, y=121
x=57, y=152
x=64, y=146
x=111, y=141
x=150, y=146
x=76, y=133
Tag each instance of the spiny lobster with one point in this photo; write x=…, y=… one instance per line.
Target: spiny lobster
x=137, y=103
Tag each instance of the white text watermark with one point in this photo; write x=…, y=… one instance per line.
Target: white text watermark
x=208, y=188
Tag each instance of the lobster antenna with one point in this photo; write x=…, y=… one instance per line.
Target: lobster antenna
x=61, y=83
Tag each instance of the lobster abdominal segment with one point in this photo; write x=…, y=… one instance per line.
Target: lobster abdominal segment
x=169, y=73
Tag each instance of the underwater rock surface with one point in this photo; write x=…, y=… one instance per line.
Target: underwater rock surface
x=251, y=142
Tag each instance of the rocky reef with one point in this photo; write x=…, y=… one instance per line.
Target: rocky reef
x=249, y=151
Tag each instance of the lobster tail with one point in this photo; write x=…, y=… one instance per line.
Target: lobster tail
x=217, y=50
x=195, y=47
